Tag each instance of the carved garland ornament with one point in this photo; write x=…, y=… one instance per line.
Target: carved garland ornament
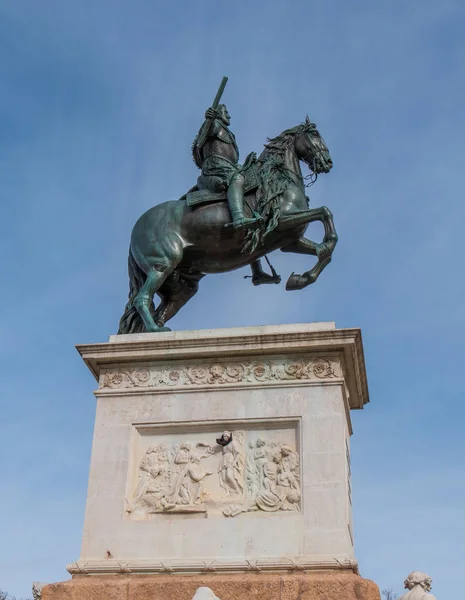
x=107, y=567
x=220, y=374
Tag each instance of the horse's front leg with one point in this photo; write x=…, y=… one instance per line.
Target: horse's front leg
x=305, y=246
x=302, y=246
x=330, y=238
x=305, y=217
x=323, y=251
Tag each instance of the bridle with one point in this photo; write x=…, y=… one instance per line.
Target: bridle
x=312, y=162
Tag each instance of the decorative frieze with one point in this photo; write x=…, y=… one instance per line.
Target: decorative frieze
x=220, y=374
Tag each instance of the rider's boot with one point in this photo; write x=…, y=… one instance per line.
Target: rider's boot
x=259, y=277
x=236, y=204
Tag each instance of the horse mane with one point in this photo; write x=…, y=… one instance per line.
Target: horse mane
x=274, y=180
x=278, y=145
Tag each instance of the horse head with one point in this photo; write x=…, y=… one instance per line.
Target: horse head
x=311, y=148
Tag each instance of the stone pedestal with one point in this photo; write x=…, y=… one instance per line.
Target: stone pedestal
x=269, y=513
x=331, y=585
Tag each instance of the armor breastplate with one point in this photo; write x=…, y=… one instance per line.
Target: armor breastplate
x=226, y=136
x=221, y=147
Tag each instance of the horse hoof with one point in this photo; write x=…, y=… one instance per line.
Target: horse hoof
x=296, y=282
x=157, y=329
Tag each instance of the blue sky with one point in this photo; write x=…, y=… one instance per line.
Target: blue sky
x=99, y=102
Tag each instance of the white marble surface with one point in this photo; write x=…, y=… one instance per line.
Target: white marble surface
x=205, y=593
x=418, y=585
x=302, y=409
x=225, y=333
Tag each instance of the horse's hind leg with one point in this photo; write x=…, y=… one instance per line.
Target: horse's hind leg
x=144, y=298
x=176, y=292
x=158, y=268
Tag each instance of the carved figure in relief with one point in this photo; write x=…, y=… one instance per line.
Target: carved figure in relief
x=163, y=455
x=288, y=478
x=231, y=464
x=251, y=473
x=147, y=465
x=155, y=497
x=152, y=484
x=272, y=479
x=261, y=459
x=270, y=498
x=231, y=468
x=196, y=474
x=188, y=475
x=164, y=461
x=169, y=478
x=179, y=493
x=419, y=584
x=289, y=471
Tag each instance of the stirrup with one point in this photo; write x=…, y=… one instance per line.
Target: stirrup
x=244, y=222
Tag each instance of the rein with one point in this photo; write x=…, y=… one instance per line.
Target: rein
x=311, y=177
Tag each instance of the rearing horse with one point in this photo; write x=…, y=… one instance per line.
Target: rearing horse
x=174, y=245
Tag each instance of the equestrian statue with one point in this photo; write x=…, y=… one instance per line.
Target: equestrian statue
x=234, y=216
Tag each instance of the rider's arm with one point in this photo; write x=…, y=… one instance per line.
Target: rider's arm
x=210, y=128
x=213, y=127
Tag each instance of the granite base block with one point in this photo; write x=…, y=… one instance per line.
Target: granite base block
x=256, y=586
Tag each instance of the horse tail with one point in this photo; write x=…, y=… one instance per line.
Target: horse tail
x=131, y=321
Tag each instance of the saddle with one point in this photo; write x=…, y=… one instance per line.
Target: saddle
x=203, y=195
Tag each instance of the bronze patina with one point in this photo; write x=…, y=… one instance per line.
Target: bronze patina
x=235, y=215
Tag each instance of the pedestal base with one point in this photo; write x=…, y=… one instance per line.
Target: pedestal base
x=247, y=586
x=165, y=497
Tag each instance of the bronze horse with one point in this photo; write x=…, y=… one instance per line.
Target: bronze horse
x=174, y=245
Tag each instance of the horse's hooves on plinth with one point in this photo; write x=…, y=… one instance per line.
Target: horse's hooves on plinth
x=158, y=330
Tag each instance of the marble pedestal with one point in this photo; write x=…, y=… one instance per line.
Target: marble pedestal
x=165, y=499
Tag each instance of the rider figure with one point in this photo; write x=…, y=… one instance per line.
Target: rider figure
x=216, y=153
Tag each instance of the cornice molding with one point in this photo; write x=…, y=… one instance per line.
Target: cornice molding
x=236, y=344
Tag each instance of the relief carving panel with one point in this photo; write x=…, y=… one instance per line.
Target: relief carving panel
x=255, y=471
